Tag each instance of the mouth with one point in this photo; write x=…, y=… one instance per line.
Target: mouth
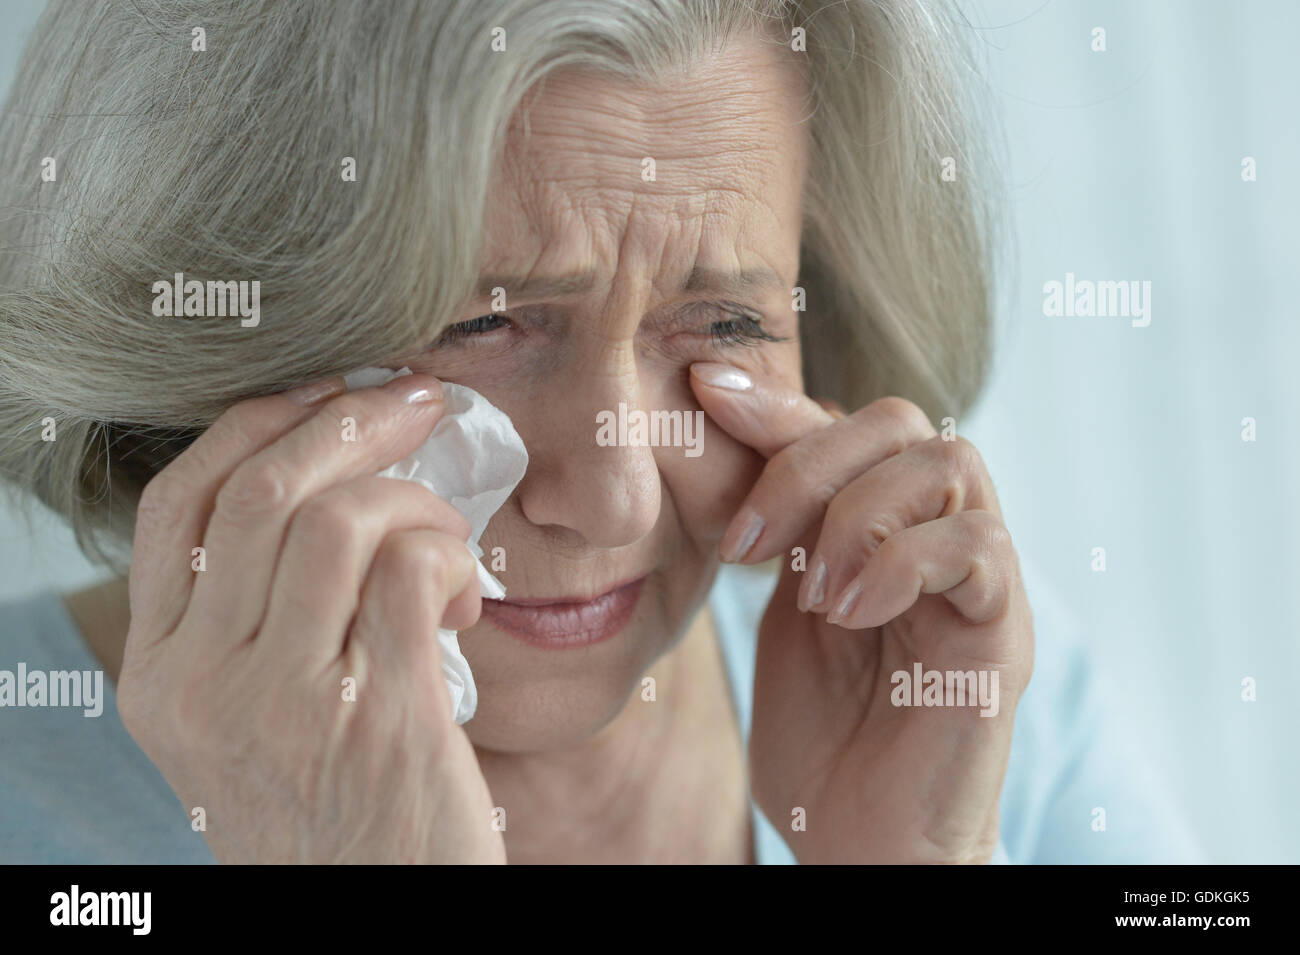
x=566, y=622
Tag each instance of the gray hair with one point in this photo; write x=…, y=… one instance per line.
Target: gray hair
x=226, y=163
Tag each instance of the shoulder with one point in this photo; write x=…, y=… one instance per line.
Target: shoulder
x=74, y=786
x=22, y=617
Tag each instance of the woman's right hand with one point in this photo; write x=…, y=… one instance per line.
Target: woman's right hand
x=317, y=575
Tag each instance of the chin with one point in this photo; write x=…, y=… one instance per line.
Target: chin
x=534, y=700
x=543, y=716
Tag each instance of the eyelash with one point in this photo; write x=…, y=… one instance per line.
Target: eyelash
x=741, y=328
x=469, y=329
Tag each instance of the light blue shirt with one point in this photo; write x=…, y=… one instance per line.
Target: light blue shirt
x=75, y=789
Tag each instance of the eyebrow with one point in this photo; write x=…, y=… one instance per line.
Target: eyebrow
x=700, y=279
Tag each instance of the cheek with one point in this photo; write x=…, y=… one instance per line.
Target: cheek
x=705, y=489
x=708, y=490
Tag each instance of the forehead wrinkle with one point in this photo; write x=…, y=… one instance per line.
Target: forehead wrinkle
x=575, y=179
x=584, y=154
x=706, y=223
x=717, y=206
x=721, y=103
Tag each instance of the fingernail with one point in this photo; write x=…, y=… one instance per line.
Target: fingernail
x=848, y=600
x=815, y=586
x=753, y=527
x=722, y=376
x=316, y=391
x=415, y=390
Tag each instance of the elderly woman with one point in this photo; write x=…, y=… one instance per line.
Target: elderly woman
x=765, y=211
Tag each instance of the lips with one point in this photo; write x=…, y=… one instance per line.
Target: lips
x=565, y=623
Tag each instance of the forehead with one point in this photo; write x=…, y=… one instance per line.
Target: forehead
x=702, y=169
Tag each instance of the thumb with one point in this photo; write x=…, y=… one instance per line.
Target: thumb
x=765, y=417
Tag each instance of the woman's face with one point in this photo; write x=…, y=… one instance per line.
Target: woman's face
x=615, y=284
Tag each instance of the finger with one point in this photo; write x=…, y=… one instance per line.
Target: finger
x=967, y=557
x=925, y=482
x=464, y=610
x=174, y=507
x=765, y=417
x=355, y=434
x=415, y=576
x=329, y=547
x=801, y=480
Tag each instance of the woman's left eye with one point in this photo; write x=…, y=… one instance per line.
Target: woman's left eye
x=741, y=327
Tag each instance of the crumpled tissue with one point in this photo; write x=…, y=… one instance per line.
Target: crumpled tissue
x=473, y=460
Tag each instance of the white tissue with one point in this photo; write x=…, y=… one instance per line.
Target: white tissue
x=473, y=460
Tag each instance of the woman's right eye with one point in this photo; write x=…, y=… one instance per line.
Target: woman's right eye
x=475, y=326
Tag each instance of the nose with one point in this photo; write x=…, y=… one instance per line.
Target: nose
x=607, y=495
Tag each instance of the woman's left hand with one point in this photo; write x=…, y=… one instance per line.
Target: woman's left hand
x=907, y=562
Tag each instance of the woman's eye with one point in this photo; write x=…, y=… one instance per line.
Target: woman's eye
x=740, y=328
x=475, y=326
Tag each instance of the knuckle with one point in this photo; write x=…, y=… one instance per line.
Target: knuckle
x=994, y=537
x=880, y=537
x=990, y=593
x=962, y=455
x=415, y=557
x=458, y=564
x=961, y=466
x=453, y=562
x=328, y=521
x=877, y=530
x=855, y=508
x=256, y=488
x=910, y=422
x=434, y=568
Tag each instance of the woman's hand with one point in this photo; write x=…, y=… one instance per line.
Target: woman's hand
x=908, y=562
x=292, y=688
